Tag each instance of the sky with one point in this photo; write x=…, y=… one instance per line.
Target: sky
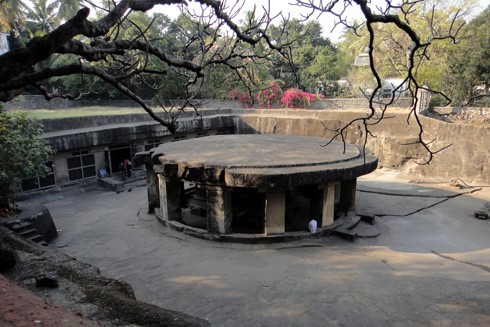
x=326, y=21
x=277, y=6
x=284, y=6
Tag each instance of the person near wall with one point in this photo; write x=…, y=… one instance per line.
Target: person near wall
x=122, y=169
x=128, y=165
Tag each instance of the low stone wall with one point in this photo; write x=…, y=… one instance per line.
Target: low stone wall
x=119, y=133
x=34, y=102
x=71, y=123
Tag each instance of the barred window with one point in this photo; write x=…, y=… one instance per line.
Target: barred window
x=81, y=166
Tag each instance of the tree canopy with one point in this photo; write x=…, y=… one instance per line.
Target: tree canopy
x=468, y=68
x=23, y=152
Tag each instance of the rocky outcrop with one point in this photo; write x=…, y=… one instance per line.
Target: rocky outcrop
x=83, y=290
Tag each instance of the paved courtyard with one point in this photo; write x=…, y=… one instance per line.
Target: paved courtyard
x=429, y=266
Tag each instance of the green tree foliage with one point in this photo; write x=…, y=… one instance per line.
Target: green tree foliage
x=433, y=20
x=315, y=58
x=12, y=15
x=12, y=20
x=160, y=80
x=23, y=152
x=468, y=67
x=42, y=17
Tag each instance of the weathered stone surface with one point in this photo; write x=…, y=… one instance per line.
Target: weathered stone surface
x=113, y=300
x=152, y=188
x=262, y=163
x=364, y=230
x=85, y=134
x=256, y=151
x=328, y=205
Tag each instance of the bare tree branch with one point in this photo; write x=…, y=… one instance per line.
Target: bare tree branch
x=398, y=14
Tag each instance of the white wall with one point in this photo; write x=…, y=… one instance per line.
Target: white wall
x=4, y=45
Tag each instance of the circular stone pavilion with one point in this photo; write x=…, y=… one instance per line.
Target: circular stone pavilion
x=256, y=184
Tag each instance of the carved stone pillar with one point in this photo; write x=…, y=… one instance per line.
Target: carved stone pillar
x=220, y=212
x=275, y=211
x=170, y=198
x=328, y=211
x=152, y=188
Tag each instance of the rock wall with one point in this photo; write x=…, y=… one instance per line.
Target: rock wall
x=393, y=141
x=84, y=290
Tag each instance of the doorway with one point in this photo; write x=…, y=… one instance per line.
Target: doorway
x=115, y=155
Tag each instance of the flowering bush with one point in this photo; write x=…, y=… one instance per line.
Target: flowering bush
x=242, y=96
x=234, y=94
x=294, y=98
x=245, y=99
x=270, y=96
x=273, y=95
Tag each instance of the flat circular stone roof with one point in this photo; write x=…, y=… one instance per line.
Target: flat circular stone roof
x=262, y=160
x=258, y=151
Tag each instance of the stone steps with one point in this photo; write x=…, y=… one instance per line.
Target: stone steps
x=27, y=231
x=357, y=226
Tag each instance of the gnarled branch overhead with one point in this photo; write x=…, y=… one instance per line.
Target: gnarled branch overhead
x=129, y=50
x=90, y=41
x=398, y=14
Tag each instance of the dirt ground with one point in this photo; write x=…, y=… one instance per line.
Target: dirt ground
x=430, y=265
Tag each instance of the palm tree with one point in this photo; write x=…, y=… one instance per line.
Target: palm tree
x=45, y=15
x=42, y=16
x=12, y=20
x=67, y=9
x=12, y=14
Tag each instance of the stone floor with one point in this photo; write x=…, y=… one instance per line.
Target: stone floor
x=429, y=266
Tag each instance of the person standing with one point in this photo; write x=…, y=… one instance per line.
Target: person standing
x=123, y=171
x=127, y=166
